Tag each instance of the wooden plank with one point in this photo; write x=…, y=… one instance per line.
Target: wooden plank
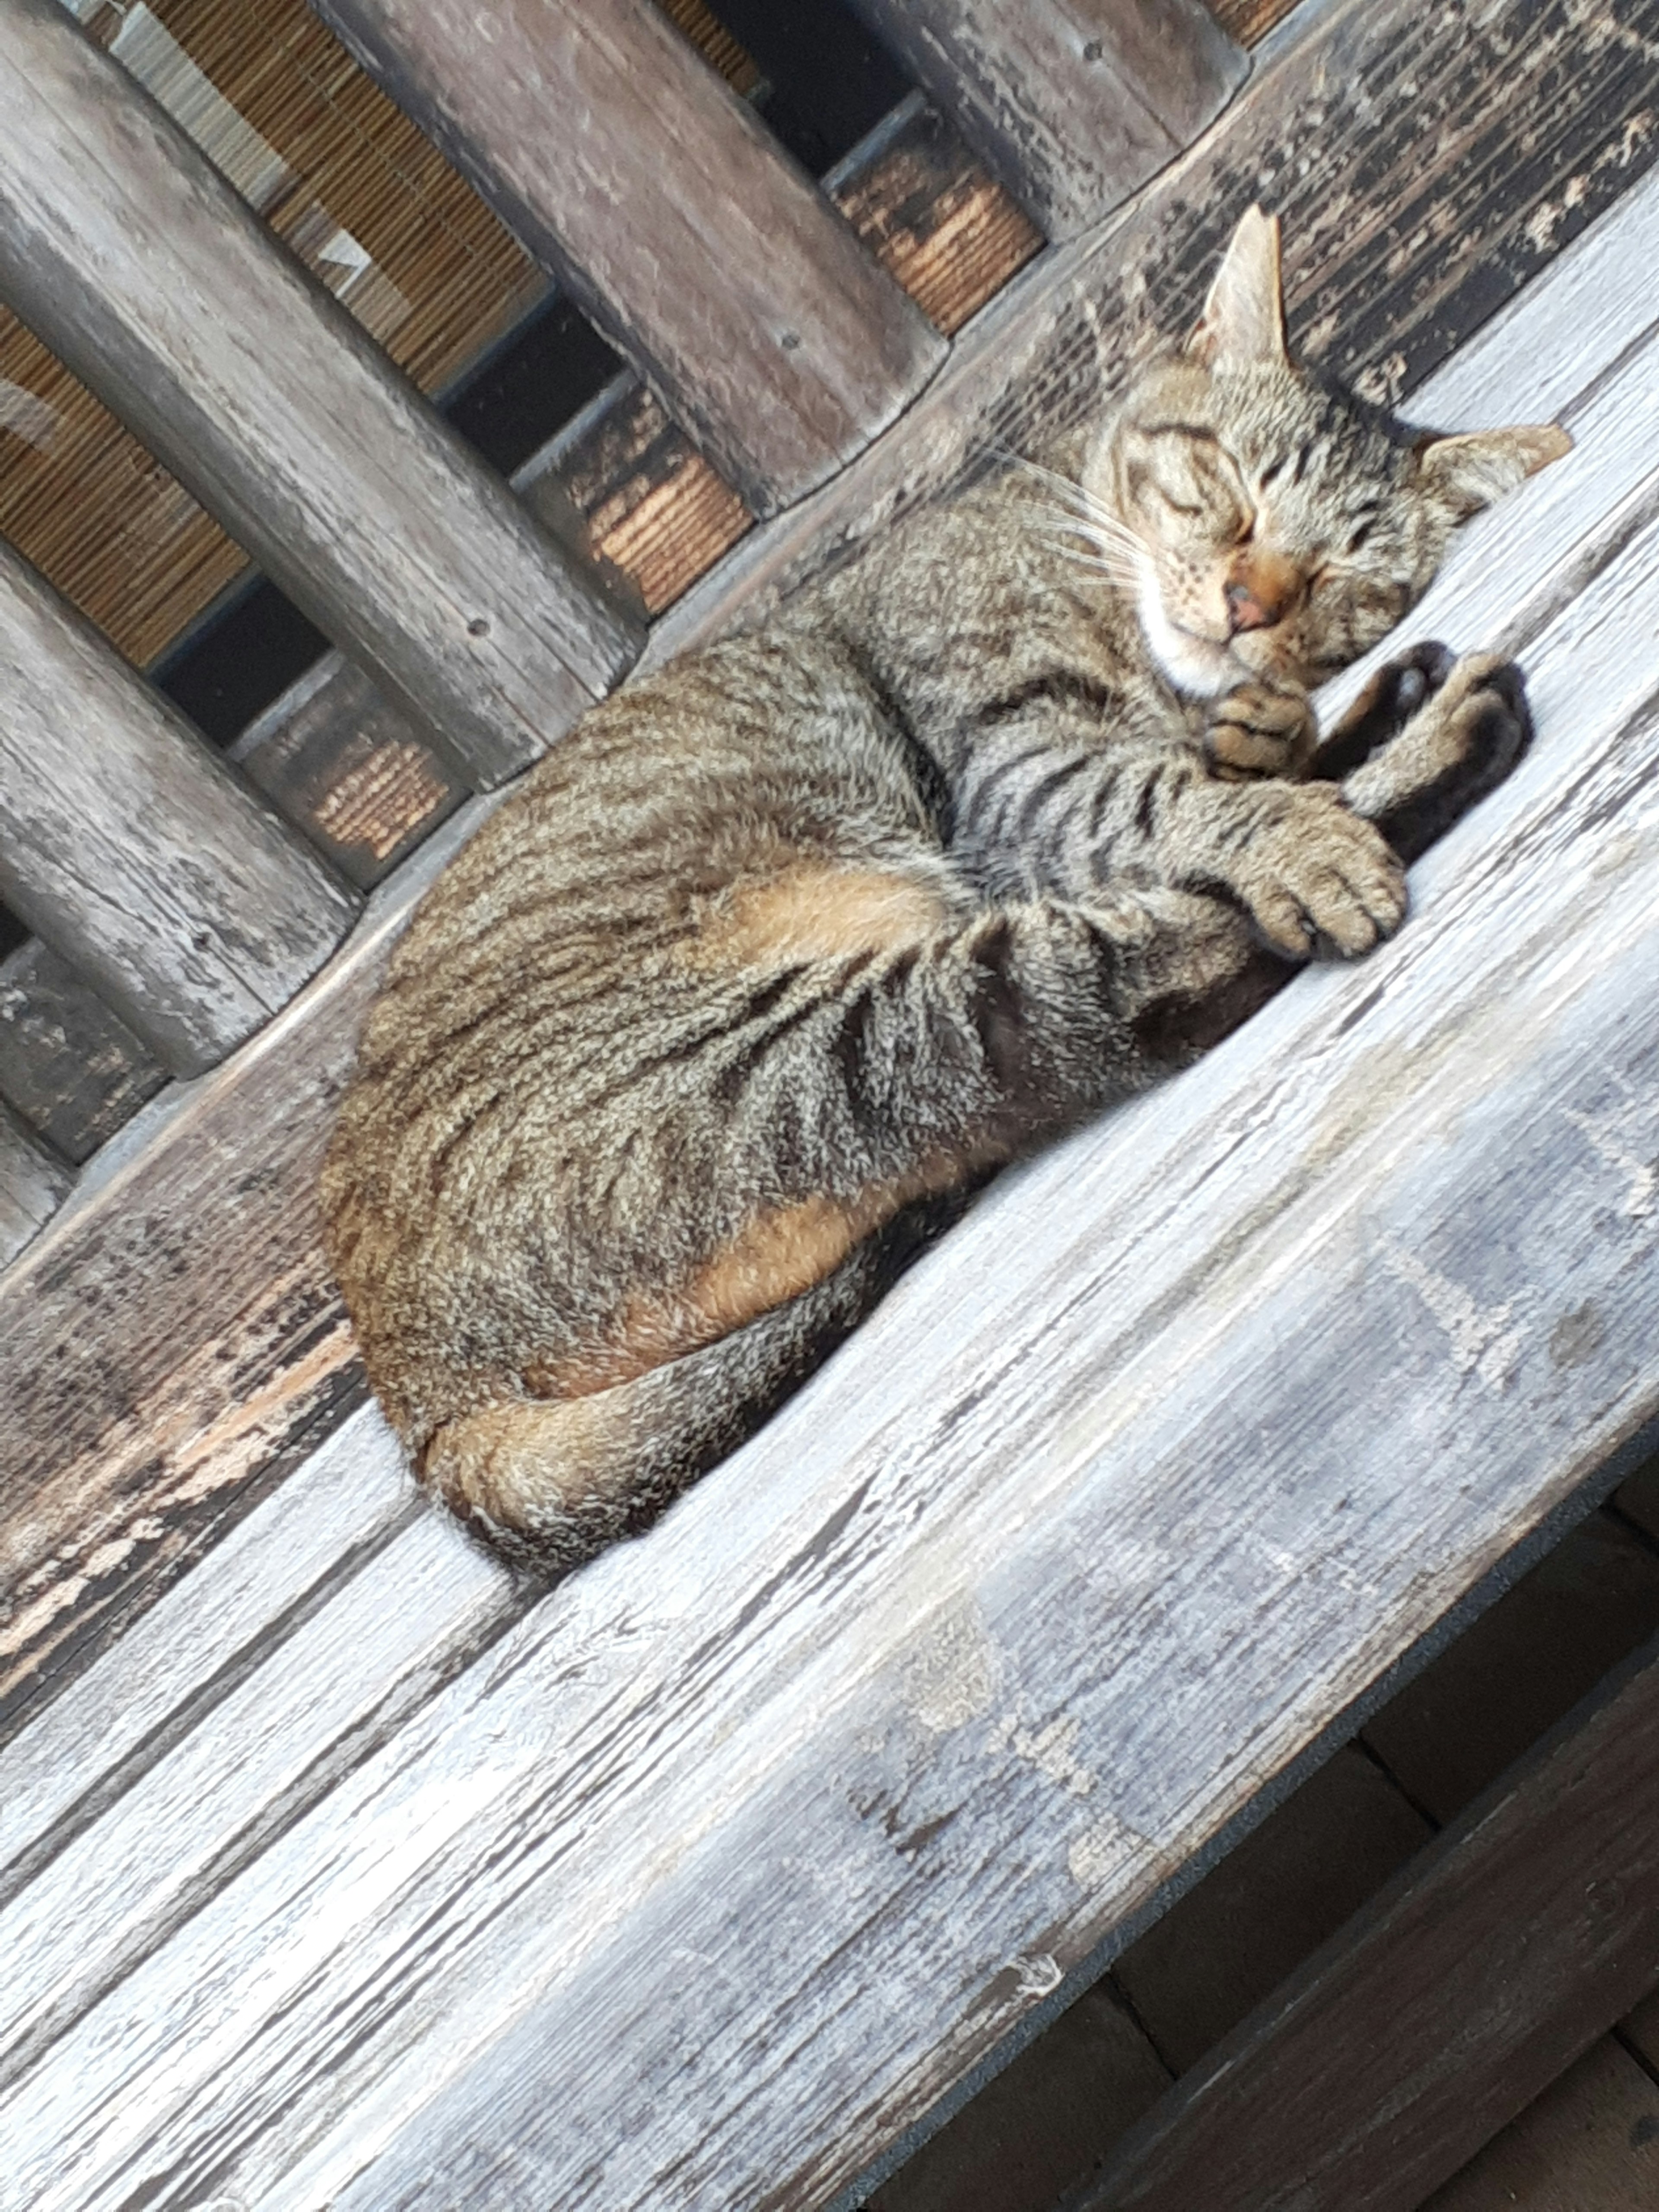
x=128, y=845
x=1376, y=2074
x=138, y=263
x=1251, y=1921
x=72, y=1069
x=1591, y=2140
x=347, y=770
x=617, y=156
x=94, y=1537
x=350, y=1497
x=33, y=1185
x=1071, y=103
x=815, y=1793
x=1035, y=2128
x=1517, y=1670
x=238, y=1160
x=416, y=1611
x=1406, y=106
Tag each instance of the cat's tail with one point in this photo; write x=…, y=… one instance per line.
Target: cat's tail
x=550, y=1482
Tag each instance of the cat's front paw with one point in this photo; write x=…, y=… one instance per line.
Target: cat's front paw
x=1260, y=729
x=1455, y=749
x=1315, y=875
x=1394, y=694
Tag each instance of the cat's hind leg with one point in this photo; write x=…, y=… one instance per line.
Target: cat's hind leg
x=550, y=1482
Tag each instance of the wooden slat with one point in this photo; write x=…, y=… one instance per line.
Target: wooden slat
x=139, y=265
x=352, y=1496
x=758, y=1834
x=73, y=1070
x=1516, y=1939
x=33, y=1185
x=415, y=1612
x=1071, y=103
x=347, y=770
x=132, y=849
x=1402, y=108
x=85, y=1553
x=1591, y=2140
x=633, y=172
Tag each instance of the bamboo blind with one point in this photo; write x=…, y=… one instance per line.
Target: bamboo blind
x=358, y=193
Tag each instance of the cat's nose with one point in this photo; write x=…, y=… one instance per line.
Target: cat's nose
x=1247, y=611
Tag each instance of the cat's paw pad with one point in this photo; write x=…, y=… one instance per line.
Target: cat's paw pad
x=1394, y=696
x=1479, y=723
x=1320, y=876
x=1260, y=729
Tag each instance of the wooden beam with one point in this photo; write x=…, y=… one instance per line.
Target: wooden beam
x=916, y=1707
x=71, y=1068
x=128, y=847
x=1447, y=2005
x=1401, y=103
x=1073, y=104
x=138, y=263
x=632, y=170
x=33, y=1185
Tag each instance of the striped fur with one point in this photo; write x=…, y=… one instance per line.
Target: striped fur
x=783, y=950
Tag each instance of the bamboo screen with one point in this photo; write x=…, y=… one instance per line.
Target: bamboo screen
x=363, y=198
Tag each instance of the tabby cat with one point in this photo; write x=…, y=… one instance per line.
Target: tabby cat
x=783, y=950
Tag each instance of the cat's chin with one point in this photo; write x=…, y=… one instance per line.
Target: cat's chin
x=1195, y=666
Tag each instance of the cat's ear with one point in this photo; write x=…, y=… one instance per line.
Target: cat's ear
x=1468, y=471
x=1243, y=317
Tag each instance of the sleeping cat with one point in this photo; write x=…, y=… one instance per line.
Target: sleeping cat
x=782, y=951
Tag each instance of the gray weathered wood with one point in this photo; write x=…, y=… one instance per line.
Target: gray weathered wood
x=756, y=1834
x=351, y=1496
x=131, y=849
x=72, y=1068
x=1448, y=2003
x=33, y=1185
x=626, y=165
x=336, y=1685
x=1071, y=103
x=138, y=263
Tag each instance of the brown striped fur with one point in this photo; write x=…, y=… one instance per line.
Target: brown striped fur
x=783, y=949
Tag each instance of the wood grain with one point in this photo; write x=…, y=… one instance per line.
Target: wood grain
x=129, y=847
x=347, y=770
x=349, y=1499
x=1592, y=2139
x=1575, y=102
x=275, y=410
x=33, y=1185
x=197, y=1344
x=1071, y=1557
x=1071, y=104
x=124, y=1519
x=618, y=157
x=934, y=215
x=72, y=1069
x=1487, y=1966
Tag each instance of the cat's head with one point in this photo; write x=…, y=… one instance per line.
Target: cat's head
x=1269, y=522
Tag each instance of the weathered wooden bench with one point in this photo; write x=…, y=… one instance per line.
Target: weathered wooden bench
x=347, y=1872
